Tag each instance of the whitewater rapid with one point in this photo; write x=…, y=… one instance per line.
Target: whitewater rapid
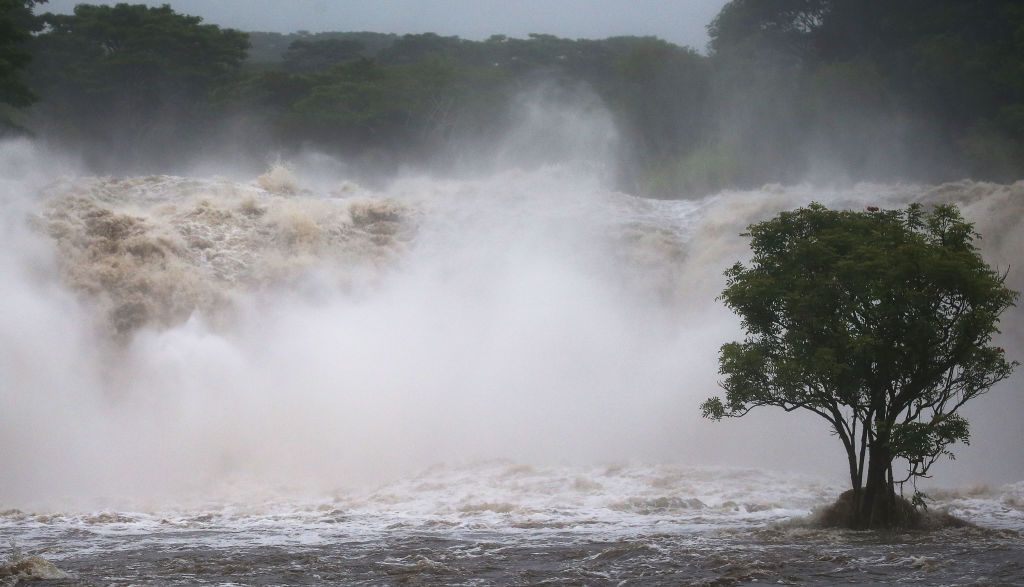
x=508, y=523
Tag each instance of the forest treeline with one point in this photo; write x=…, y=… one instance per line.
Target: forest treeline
x=905, y=89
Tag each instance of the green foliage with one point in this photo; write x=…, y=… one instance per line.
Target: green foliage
x=880, y=322
x=949, y=72
x=17, y=22
x=420, y=91
x=134, y=45
x=920, y=89
x=920, y=500
x=918, y=441
x=659, y=92
x=270, y=49
x=781, y=26
x=308, y=56
x=124, y=66
x=415, y=48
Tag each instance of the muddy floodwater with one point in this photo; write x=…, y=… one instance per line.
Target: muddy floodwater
x=501, y=523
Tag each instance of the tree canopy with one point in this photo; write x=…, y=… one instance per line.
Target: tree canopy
x=951, y=73
x=304, y=56
x=124, y=68
x=880, y=322
x=17, y=22
x=922, y=90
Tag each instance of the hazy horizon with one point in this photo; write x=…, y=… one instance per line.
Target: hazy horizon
x=682, y=23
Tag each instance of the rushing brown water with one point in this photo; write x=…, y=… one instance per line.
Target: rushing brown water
x=214, y=381
x=516, y=524
x=501, y=523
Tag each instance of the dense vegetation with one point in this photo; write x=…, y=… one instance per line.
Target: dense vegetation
x=16, y=25
x=879, y=322
x=912, y=89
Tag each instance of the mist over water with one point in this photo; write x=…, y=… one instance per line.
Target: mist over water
x=361, y=308
x=170, y=336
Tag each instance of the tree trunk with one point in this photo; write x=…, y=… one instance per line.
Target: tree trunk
x=877, y=507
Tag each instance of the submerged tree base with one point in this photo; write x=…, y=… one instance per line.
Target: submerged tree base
x=843, y=514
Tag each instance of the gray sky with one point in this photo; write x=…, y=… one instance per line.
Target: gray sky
x=679, y=21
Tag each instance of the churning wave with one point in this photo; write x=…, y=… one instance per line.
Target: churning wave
x=513, y=523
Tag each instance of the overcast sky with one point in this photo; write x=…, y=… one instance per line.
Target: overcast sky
x=679, y=21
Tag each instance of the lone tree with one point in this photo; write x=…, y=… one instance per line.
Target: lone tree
x=880, y=322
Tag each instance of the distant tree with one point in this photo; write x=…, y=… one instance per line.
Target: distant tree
x=399, y=108
x=17, y=22
x=352, y=104
x=783, y=26
x=952, y=72
x=880, y=322
x=308, y=56
x=412, y=48
x=270, y=48
x=661, y=92
x=125, y=66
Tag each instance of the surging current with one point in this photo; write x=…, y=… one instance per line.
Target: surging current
x=292, y=376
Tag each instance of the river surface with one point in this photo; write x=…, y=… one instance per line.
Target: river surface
x=503, y=523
